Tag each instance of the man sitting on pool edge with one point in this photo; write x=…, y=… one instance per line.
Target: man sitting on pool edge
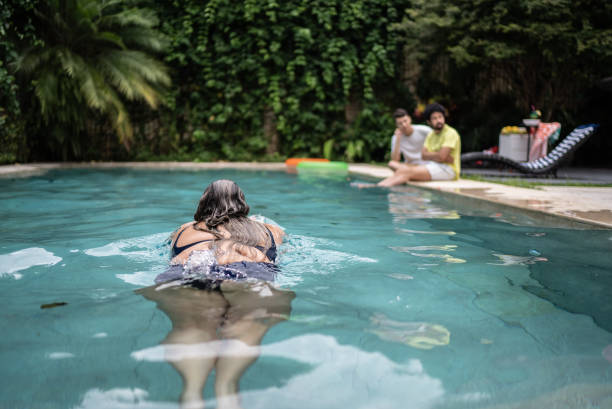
x=407, y=141
x=441, y=153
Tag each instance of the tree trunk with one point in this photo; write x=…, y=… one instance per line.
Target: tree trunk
x=352, y=108
x=411, y=71
x=269, y=130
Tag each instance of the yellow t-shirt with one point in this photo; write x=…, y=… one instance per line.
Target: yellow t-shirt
x=448, y=137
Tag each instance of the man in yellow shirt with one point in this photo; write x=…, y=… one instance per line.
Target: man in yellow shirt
x=441, y=152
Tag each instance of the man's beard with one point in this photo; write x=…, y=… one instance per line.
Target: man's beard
x=438, y=126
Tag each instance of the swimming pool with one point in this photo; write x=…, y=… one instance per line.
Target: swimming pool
x=403, y=298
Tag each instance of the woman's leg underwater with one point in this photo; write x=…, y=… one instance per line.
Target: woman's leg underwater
x=254, y=309
x=192, y=345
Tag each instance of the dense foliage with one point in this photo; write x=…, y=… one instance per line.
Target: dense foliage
x=498, y=58
x=15, y=29
x=290, y=78
x=263, y=80
x=91, y=55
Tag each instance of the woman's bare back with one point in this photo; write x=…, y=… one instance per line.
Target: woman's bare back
x=226, y=250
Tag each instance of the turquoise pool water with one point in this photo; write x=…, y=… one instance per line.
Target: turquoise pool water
x=403, y=298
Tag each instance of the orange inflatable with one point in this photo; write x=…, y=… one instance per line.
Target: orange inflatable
x=296, y=161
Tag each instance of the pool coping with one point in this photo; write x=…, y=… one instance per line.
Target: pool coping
x=589, y=205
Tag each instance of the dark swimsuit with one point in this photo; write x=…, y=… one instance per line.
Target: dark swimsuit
x=176, y=250
x=218, y=272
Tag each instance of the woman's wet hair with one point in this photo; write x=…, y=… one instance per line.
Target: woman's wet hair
x=431, y=108
x=223, y=204
x=221, y=200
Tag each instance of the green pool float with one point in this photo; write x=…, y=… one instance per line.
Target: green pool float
x=323, y=167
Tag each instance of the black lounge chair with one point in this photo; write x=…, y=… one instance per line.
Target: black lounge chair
x=546, y=165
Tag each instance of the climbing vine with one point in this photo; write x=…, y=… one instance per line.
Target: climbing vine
x=282, y=78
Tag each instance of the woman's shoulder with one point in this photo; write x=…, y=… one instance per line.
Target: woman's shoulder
x=181, y=228
x=276, y=231
x=185, y=225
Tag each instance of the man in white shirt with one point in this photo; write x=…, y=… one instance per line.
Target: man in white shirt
x=407, y=141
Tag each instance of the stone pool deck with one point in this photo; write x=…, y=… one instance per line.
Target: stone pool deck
x=590, y=205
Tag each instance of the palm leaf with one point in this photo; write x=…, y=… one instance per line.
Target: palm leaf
x=112, y=38
x=93, y=56
x=130, y=17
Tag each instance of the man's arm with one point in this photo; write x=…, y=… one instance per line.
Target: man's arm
x=442, y=156
x=395, y=151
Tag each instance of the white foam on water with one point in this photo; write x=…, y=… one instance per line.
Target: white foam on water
x=142, y=278
x=100, y=335
x=121, y=398
x=301, y=253
x=144, y=248
x=59, y=355
x=297, y=254
x=150, y=249
x=510, y=260
x=263, y=219
x=24, y=259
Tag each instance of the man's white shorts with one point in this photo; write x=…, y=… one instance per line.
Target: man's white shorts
x=439, y=171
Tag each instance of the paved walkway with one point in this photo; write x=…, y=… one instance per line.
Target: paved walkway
x=592, y=205
x=564, y=175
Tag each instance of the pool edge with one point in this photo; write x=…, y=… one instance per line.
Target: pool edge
x=568, y=203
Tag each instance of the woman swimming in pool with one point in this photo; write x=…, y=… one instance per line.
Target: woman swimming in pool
x=223, y=242
x=218, y=295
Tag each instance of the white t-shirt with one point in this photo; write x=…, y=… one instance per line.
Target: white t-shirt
x=412, y=146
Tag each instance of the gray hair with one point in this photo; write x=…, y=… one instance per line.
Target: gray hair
x=223, y=204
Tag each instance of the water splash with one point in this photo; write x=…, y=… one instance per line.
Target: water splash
x=153, y=247
x=303, y=253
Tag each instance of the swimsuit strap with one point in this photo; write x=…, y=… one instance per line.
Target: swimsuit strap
x=176, y=250
x=271, y=252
